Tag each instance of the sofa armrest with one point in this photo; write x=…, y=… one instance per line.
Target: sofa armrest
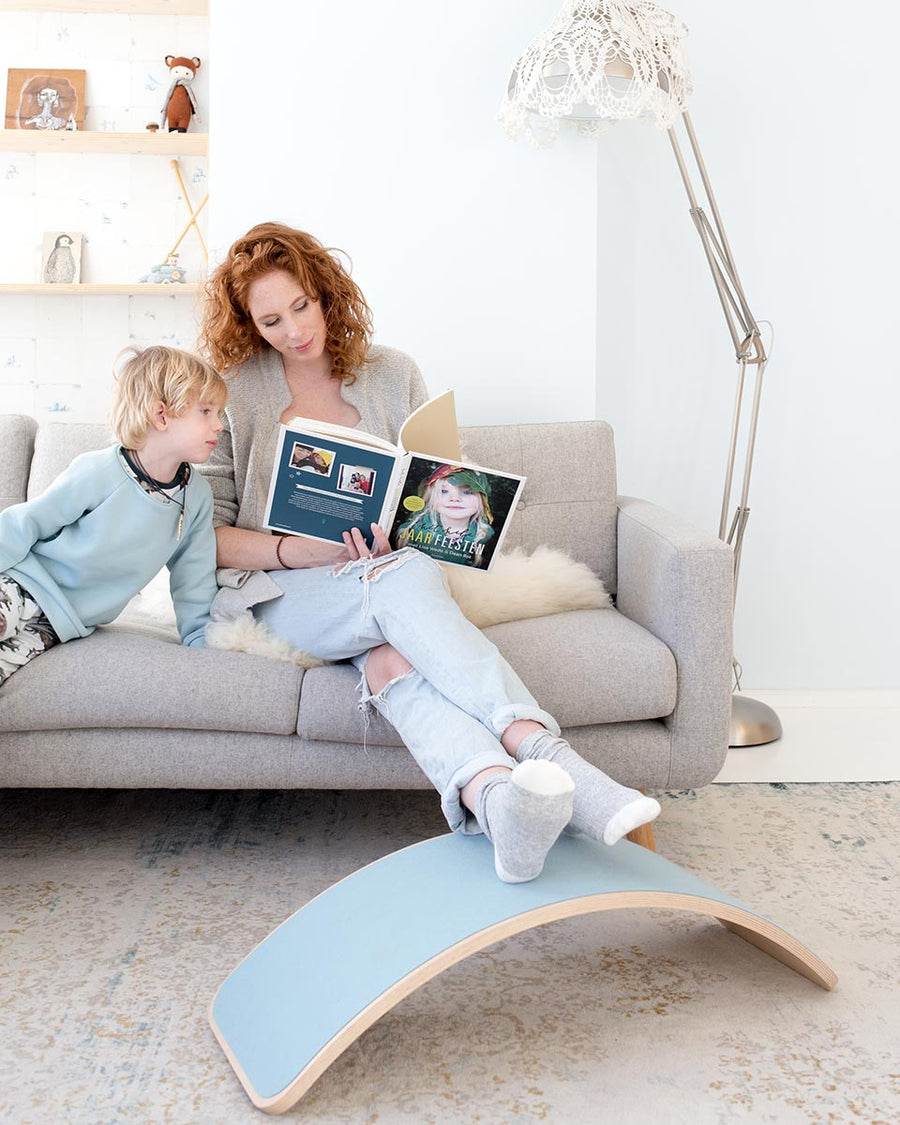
x=17, y=433
x=677, y=581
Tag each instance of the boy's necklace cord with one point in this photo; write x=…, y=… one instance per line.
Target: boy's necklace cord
x=155, y=485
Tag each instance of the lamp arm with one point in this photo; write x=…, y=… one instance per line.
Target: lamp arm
x=744, y=332
x=748, y=342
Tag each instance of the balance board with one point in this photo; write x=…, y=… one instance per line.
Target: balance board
x=314, y=985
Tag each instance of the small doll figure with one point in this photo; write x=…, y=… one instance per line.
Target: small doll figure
x=456, y=521
x=180, y=105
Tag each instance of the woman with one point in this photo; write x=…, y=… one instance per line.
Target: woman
x=284, y=319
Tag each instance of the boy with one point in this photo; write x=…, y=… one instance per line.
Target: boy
x=72, y=558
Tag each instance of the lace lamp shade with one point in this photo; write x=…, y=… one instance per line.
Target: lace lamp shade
x=599, y=61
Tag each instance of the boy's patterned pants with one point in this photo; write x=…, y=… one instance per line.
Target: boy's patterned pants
x=24, y=630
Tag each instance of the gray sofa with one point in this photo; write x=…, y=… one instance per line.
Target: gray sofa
x=641, y=689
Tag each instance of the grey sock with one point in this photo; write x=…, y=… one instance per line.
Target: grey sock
x=522, y=814
x=602, y=809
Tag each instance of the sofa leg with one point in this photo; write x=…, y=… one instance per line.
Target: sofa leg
x=644, y=834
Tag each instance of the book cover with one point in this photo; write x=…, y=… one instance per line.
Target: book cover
x=454, y=512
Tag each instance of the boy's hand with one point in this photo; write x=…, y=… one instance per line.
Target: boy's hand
x=359, y=549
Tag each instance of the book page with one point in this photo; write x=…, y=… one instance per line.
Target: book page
x=322, y=486
x=433, y=427
x=341, y=433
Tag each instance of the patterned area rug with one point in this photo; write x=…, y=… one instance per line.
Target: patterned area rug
x=122, y=912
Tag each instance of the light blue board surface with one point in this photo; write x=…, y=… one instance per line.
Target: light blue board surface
x=353, y=942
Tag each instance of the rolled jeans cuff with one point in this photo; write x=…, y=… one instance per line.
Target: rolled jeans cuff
x=459, y=818
x=504, y=716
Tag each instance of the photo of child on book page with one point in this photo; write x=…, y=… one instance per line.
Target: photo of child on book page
x=454, y=513
x=311, y=459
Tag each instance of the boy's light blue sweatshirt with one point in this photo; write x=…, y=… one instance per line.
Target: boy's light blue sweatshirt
x=95, y=538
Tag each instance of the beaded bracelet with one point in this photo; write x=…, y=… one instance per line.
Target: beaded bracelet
x=281, y=561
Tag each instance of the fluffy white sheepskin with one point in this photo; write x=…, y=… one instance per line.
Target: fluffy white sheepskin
x=250, y=635
x=520, y=586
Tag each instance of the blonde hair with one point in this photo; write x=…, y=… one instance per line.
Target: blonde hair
x=148, y=376
x=229, y=337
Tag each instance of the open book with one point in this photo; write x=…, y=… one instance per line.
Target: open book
x=328, y=479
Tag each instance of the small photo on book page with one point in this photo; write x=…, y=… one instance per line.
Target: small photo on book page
x=454, y=513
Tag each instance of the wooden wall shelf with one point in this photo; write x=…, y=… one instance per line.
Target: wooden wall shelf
x=124, y=7
x=101, y=289
x=86, y=140
x=102, y=142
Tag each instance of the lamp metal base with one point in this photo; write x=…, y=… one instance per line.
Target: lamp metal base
x=752, y=723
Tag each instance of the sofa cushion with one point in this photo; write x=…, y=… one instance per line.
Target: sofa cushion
x=569, y=500
x=122, y=679
x=57, y=445
x=584, y=667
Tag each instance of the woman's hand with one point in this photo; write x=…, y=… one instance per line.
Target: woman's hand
x=357, y=547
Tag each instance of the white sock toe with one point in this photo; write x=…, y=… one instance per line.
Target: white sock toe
x=633, y=815
x=542, y=777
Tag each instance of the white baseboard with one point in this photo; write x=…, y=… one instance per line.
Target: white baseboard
x=828, y=736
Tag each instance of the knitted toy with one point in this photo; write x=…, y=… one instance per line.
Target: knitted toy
x=180, y=104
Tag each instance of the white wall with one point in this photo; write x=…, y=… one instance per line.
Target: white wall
x=374, y=128
x=793, y=114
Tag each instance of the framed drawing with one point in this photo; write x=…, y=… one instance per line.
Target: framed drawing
x=61, y=258
x=45, y=99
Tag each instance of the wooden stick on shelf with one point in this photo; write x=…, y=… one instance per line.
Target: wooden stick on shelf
x=193, y=220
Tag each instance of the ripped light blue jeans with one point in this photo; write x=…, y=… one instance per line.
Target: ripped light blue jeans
x=461, y=696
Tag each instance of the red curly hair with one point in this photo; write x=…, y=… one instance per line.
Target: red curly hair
x=228, y=335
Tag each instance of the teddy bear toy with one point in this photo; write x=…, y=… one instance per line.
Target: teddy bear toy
x=180, y=104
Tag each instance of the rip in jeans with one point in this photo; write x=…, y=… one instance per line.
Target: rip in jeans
x=373, y=568
x=368, y=698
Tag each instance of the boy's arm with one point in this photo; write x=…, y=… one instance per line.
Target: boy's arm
x=78, y=489
x=192, y=571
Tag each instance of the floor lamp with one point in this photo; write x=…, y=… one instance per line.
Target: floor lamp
x=602, y=61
